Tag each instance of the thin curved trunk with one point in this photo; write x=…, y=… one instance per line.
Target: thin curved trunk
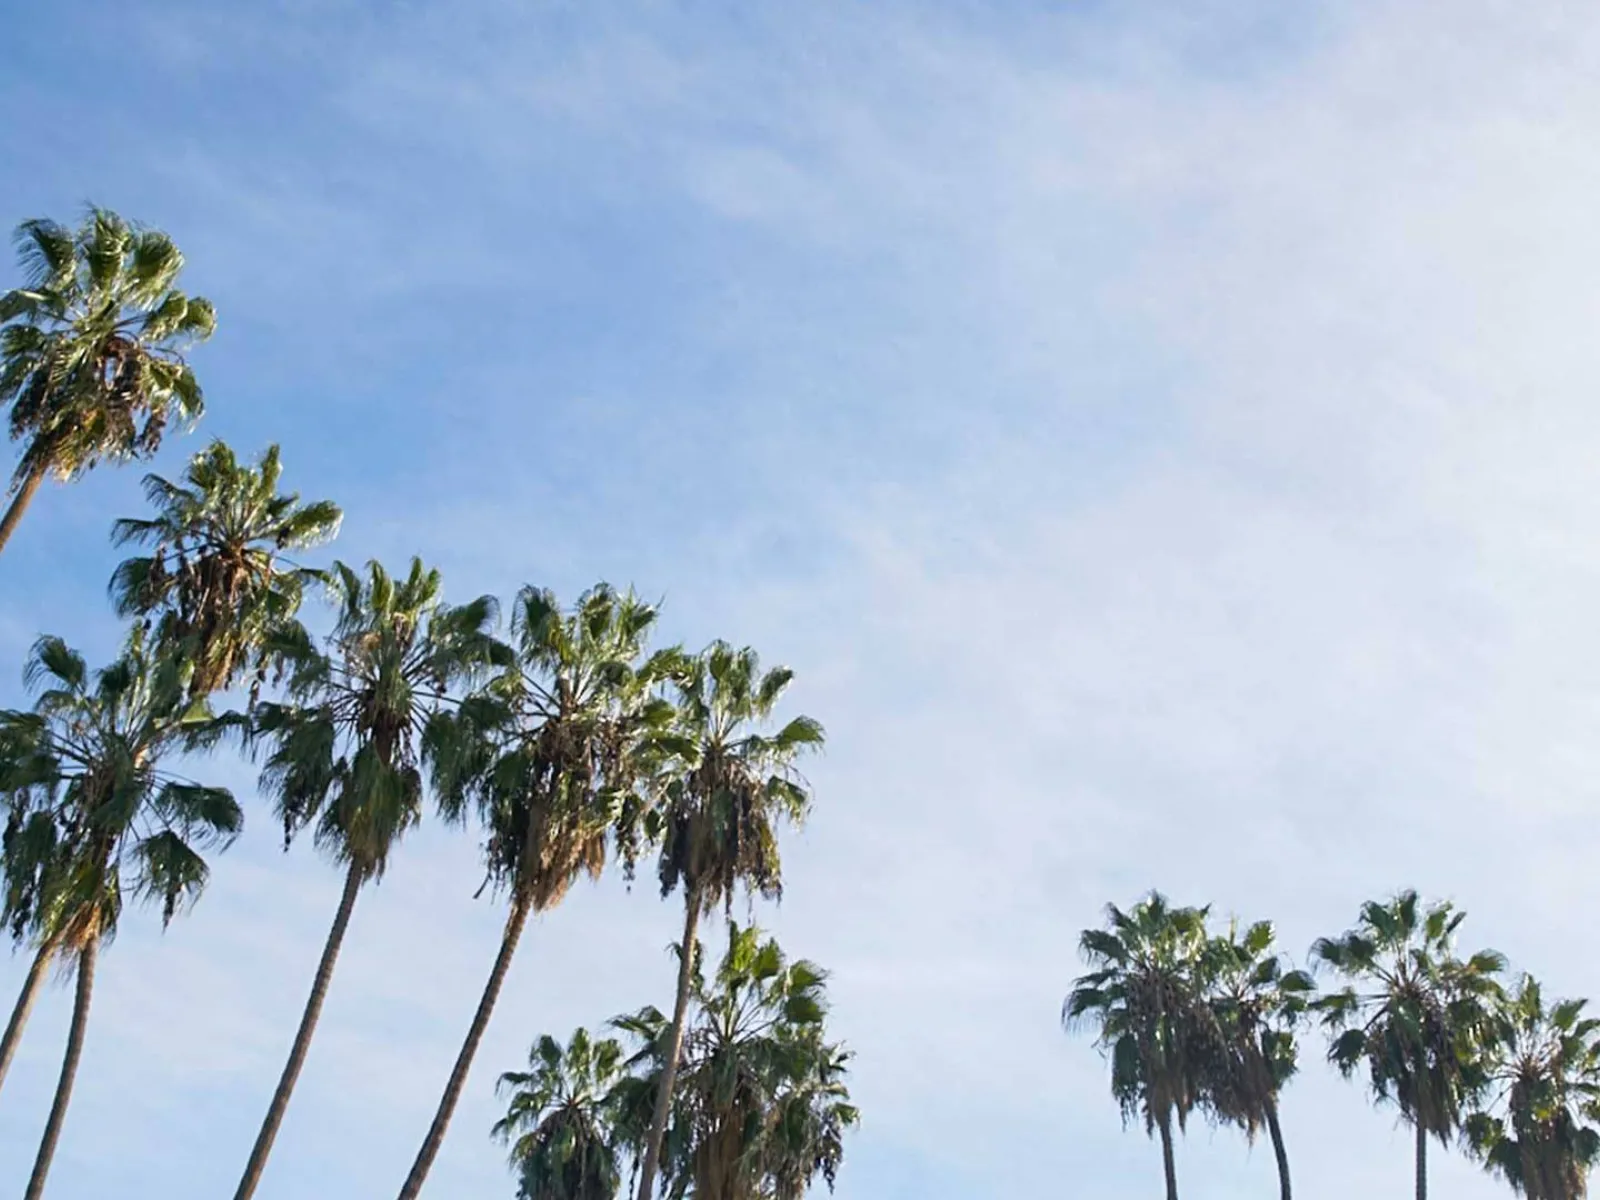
x=69, y=1069
x=469, y=1048
x=1422, y=1162
x=1169, y=1164
x=669, y=1070
x=24, y=1006
x=23, y=498
x=1278, y=1149
x=353, y=880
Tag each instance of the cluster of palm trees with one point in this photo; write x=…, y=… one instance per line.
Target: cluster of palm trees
x=1196, y=1020
x=561, y=736
x=761, y=1108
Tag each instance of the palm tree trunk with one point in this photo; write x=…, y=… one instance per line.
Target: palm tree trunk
x=1169, y=1164
x=69, y=1069
x=19, y=1014
x=353, y=880
x=19, y=502
x=1278, y=1150
x=1422, y=1161
x=458, y=1076
x=669, y=1070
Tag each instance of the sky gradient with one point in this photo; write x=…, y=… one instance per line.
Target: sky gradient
x=1159, y=435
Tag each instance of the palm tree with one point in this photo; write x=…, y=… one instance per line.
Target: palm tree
x=1413, y=1014
x=1543, y=1070
x=1145, y=996
x=561, y=1119
x=724, y=788
x=345, y=748
x=216, y=585
x=1256, y=1002
x=546, y=754
x=91, y=353
x=809, y=1121
x=760, y=1106
x=82, y=772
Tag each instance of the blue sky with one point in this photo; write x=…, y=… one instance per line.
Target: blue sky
x=1159, y=435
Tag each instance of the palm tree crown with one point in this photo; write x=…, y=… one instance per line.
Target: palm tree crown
x=561, y=1119
x=726, y=783
x=550, y=751
x=216, y=584
x=346, y=742
x=92, y=815
x=91, y=354
x=1539, y=1127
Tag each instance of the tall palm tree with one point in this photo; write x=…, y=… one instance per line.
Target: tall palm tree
x=561, y=1119
x=91, y=353
x=1413, y=1014
x=725, y=786
x=760, y=1105
x=83, y=769
x=217, y=585
x=1256, y=1001
x=1145, y=996
x=345, y=745
x=547, y=754
x=1539, y=1129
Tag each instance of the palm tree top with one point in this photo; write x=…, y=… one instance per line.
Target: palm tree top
x=218, y=584
x=94, y=340
x=347, y=739
x=1144, y=993
x=1399, y=943
x=83, y=781
x=1412, y=1012
x=227, y=502
x=724, y=780
x=1539, y=1124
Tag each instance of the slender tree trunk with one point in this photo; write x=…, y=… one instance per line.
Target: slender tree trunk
x=1422, y=1161
x=19, y=1014
x=353, y=880
x=669, y=1070
x=69, y=1069
x=1278, y=1150
x=19, y=502
x=458, y=1076
x=1169, y=1164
